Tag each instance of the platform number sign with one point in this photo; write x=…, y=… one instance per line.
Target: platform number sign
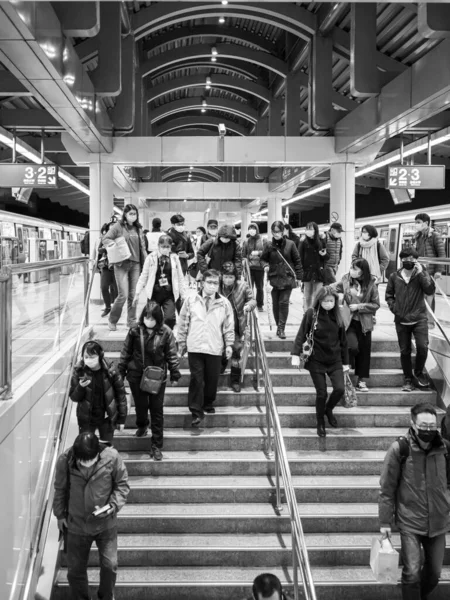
x=426, y=177
x=26, y=175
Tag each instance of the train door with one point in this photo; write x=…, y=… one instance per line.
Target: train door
x=22, y=246
x=392, y=248
x=443, y=227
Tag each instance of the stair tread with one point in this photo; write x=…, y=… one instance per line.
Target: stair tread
x=206, y=431
x=252, y=481
x=243, y=457
x=296, y=390
x=277, y=354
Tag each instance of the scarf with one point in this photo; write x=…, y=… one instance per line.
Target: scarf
x=369, y=251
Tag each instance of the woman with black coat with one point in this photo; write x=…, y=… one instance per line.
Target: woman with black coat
x=323, y=330
x=282, y=264
x=313, y=255
x=99, y=391
x=160, y=350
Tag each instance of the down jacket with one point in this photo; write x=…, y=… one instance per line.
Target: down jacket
x=203, y=331
x=77, y=499
x=254, y=244
x=334, y=251
x=407, y=300
x=415, y=495
x=281, y=276
x=370, y=302
x=221, y=253
x=312, y=261
x=160, y=350
x=114, y=394
x=149, y=273
x=239, y=296
x=430, y=244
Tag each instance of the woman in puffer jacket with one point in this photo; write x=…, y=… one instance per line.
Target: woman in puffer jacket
x=160, y=350
x=217, y=251
x=313, y=255
x=99, y=391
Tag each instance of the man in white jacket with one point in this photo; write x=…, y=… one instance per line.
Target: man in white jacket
x=205, y=326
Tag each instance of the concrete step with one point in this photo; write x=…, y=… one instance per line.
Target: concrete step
x=290, y=416
x=209, y=489
x=236, y=550
x=223, y=583
x=376, y=396
x=358, y=462
x=248, y=438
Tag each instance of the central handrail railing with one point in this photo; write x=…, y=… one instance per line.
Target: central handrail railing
x=274, y=439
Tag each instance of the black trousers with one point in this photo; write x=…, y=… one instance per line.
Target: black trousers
x=257, y=276
x=155, y=404
x=280, y=301
x=320, y=383
x=405, y=334
x=359, y=347
x=108, y=286
x=167, y=302
x=205, y=371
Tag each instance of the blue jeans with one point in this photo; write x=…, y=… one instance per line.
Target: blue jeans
x=419, y=581
x=127, y=275
x=78, y=548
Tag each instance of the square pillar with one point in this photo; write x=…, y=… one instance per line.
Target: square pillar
x=246, y=219
x=275, y=212
x=342, y=208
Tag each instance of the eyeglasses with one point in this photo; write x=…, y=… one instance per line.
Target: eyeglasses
x=276, y=231
x=209, y=282
x=427, y=427
x=132, y=214
x=212, y=227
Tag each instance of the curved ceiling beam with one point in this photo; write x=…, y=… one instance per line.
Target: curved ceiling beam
x=234, y=34
x=234, y=83
x=179, y=55
x=182, y=178
x=232, y=66
x=215, y=170
x=231, y=106
x=198, y=120
x=192, y=132
x=287, y=16
x=185, y=171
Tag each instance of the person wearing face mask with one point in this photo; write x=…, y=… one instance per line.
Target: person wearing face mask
x=361, y=301
x=322, y=342
x=370, y=248
x=99, y=392
x=182, y=244
x=290, y=234
x=127, y=272
x=406, y=293
x=252, y=249
x=333, y=244
x=217, y=251
x=89, y=476
x=281, y=262
x=160, y=350
x=205, y=331
x=313, y=255
x=213, y=227
x=414, y=497
x=429, y=244
x=163, y=280
x=154, y=235
x=240, y=296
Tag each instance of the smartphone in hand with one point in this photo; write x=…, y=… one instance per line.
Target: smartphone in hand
x=101, y=510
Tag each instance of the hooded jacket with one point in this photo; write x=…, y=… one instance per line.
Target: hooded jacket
x=407, y=300
x=282, y=276
x=239, y=296
x=113, y=390
x=334, y=251
x=181, y=243
x=76, y=499
x=150, y=272
x=370, y=301
x=160, y=350
x=415, y=494
x=312, y=261
x=221, y=253
x=254, y=244
x=429, y=244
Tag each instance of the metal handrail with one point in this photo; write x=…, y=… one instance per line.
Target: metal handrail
x=274, y=438
x=45, y=265
x=38, y=549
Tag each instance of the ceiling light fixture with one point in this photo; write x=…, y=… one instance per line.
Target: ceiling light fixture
x=221, y=20
x=208, y=83
x=224, y=2
x=214, y=51
x=213, y=58
x=204, y=103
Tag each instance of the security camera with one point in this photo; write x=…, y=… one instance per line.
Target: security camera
x=222, y=129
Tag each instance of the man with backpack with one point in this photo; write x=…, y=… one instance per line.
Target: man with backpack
x=214, y=253
x=415, y=496
x=91, y=487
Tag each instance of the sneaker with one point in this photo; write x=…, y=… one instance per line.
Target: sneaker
x=209, y=409
x=112, y=326
x=157, y=454
x=236, y=387
x=196, y=421
x=361, y=386
x=422, y=380
x=141, y=432
x=281, y=334
x=106, y=312
x=408, y=386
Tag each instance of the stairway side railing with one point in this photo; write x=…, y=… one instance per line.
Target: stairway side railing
x=276, y=448
x=41, y=530
x=444, y=262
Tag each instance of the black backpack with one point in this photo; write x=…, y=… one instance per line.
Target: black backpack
x=405, y=450
x=84, y=244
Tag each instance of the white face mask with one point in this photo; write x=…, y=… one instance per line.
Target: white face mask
x=225, y=240
x=365, y=236
x=88, y=463
x=421, y=226
x=355, y=273
x=252, y=232
x=335, y=234
x=131, y=219
x=310, y=233
x=328, y=304
x=164, y=251
x=92, y=362
x=213, y=232
x=149, y=323
x=179, y=228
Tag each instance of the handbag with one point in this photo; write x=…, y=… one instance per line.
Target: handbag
x=346, y=314
x=308, y=344
x=118, y=251
x=152, y=377
x=349, y=399
x=288, y=265
x=384, y=561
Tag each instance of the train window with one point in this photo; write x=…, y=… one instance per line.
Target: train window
x=7, y=229
x=442, y=228
x=392, y=239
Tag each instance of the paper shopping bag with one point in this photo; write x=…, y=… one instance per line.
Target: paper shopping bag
x=384, y=561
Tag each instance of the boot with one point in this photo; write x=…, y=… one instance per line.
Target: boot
x=331, y=418
x=321, y=427
x=235, y=379
x=281, y=333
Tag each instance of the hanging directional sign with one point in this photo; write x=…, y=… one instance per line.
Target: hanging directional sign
x=425, y=177
x=26, y=175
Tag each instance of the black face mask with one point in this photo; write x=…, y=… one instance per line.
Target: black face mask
x=409, y=266
x=426, y=436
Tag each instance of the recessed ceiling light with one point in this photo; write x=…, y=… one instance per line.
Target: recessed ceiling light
x=221, y=19
x=224, y=2
x=204, y=103
x=213, y=59
x=214, y=51
x=203, y=110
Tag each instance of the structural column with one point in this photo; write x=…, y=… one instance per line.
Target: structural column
x=212, y=213
x=342, y=208
x=246, y=219
x=275, y=211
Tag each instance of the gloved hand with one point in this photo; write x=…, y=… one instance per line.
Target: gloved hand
x=346, y=368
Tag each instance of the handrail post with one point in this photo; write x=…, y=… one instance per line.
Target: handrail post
x=277, y=480
x=294, y=562
x=5, y=335
x=268, y=448
x=86, y=290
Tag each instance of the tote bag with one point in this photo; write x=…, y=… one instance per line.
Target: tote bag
x=118, y=251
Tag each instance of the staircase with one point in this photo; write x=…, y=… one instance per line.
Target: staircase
x=201, y=524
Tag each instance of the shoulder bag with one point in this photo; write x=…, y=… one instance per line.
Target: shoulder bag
x=308, y=344
x=288, y=265
x=118, y=251
x=152, y=377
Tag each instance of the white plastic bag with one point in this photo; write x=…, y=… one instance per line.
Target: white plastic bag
x=118, y=251
x=384, y=561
